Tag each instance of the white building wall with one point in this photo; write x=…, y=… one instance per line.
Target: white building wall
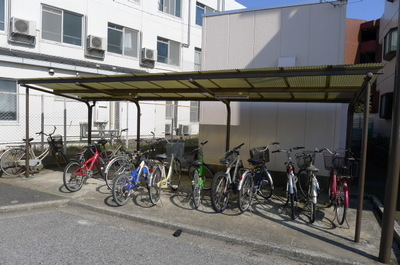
x=313, y=35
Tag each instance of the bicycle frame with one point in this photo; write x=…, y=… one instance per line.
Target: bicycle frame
x=88, y=165
x=236, y=164
x=335, y=182
x=165, y=176
x=141, y=170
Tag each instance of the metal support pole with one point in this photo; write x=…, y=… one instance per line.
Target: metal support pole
x=90, y=119
x=349, y=129
x=65, y=126
x=228, y=125
x=137, y=125
x=42, y=122
x=392, y=181
x=364, y=145
x=27, y=133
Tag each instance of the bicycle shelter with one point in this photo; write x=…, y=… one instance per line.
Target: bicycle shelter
x=330, y=84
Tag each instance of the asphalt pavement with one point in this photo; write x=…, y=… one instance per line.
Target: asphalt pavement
x=265, y=227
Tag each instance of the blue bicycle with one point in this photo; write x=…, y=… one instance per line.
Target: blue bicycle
x=127, y=181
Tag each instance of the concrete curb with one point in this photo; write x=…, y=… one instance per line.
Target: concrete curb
x=378, y=205
x=297, y=254
x=33, y=205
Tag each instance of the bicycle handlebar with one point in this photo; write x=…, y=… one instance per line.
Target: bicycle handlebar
x=50, y=134
x=288, y=150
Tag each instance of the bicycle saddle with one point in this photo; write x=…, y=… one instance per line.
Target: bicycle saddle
x=197, y=163
x=30, y=139
x=254, y=161
x=312, y=169
x=161, y=157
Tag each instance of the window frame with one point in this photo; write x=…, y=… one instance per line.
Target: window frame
x=205, y=9
x=170, y=7
x=124, y=31
x=390, y=47
x=15, y=99
x=169, y=57
x=3, y=15
x=197, y=59
x=63, y=36
x=194, y=116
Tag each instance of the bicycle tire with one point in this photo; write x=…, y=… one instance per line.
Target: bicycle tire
x=265, y=188
x=303, y=182
x=8, y=162
x=208, y=175
x=313, y=211
x=60, y=158
x=196, y=190
x=155, y=182
x=246, y=192
x=341, y=207
x=119, y=192
x=219, y=192
x=292, y=206
x=74, y=176
x=176, y=175
x=116, y=166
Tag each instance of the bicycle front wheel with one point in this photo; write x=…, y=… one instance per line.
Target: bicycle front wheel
x=303, y=183
x=155, y=184
x=341, y=207
x=219, y=192
x=115, y=167
x=265, y=186
x=313, y=211
x=74, y=176
x=196, y=189
x=204, y=171
x=12, y=161
x=246, y=192
x=120, y=190
x=176, y=175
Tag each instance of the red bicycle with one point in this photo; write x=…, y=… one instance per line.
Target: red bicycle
x=343, y=167
x=89, y=164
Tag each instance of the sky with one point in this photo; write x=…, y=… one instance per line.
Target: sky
x=358, y=9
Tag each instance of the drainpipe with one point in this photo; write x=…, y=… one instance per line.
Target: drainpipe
x=349, y=129
x=228, y=124
x=27, y=154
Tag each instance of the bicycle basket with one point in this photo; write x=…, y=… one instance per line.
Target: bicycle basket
x=176, y=147
x=56, y=141
x=260, y=153
x=305, y=159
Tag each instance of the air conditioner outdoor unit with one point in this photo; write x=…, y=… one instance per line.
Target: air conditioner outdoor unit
x=149, y=54
x=183, y=129
x=23, y=27
x=168, y=129
x=96, y=43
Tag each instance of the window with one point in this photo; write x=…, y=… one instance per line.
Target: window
x=169, y=109
x=194, y=111
x=2, y=14
x=390, y=44
x=61, y=26
x=122, y=40
x=172, y=7
x=168, y=51
x=200, y=11
x=8, y=100
x=197, y=59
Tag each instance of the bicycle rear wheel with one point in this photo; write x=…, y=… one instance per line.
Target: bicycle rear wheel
x=176, y=175
x=341, y=207
x=219, y=192
x=196, y=190
x=155, y=183
x=60, y=158
x=74, y=176
x=303, y=183
x=120, y=192
x=246, y=192
x=117, y=165
x=11, y=162
x=265, y=186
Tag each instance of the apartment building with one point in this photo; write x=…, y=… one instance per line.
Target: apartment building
x=54, y=38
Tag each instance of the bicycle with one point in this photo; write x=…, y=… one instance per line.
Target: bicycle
x=13, y=160
x=200, y=174
x=263, y=183
x=291, y=186
x=126, y=182
x=224, y=183
x=78, y=171
x=160, y=178
x=342, y=168
x=307, y=179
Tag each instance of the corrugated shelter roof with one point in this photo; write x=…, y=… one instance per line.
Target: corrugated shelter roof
x=328, y=83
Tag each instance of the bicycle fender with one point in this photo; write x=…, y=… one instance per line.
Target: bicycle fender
x=270, y=179
x=242, y=178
